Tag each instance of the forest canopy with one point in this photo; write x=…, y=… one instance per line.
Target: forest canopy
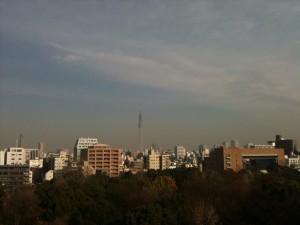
x=179, y=196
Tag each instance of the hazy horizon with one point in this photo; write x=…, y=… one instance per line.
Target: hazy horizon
x=201, y=72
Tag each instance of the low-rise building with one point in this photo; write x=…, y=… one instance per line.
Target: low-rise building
x=293, y=161
x=87, y=169
x=14, y=176
x=243, y=158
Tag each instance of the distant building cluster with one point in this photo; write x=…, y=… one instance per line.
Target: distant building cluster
x=20, y=166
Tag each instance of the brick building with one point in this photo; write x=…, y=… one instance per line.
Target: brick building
x=104, y=159
x=243, y=158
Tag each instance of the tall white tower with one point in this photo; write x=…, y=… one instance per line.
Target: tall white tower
x=140, y=125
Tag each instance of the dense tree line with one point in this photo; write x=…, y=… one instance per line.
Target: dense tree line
x=175, y=197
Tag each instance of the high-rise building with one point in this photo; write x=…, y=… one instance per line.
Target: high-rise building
x=225, y=144
x=235, y=143
x=83, y=143
x=31, y=154
x=179, y=152
x=104, y=159
x=289, y=145
x=20, y=141
x=41, y=149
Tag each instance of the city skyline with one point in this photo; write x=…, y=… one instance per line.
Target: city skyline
x=201, y=72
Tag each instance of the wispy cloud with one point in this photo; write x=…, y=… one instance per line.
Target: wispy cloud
x=66, y=58
x=250, y=80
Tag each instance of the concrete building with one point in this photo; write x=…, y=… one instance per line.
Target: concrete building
x=104, y=159
x=156, y=161
x=153, y=162
x=14, y=176
x=31, y=154
x=252, y=145
x=179, y=152
x=138, y=166
x=15, y=156
x=58, y=164
x=226, y=144
x=36, y=163
x=60, y=160
x=293, y=161
x=41, y=149
x=164, y=162
x=83, y=143
x=290, y=146
x=243, y=158
x=88, y=169
x=2, y=157
x=235, y=143
x=36, y=171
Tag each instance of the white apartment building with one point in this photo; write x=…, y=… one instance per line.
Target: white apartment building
x=156, y=161
x=179, y=152
x=36, y=163
x=60, y=161
x=15, y=156
x=83, y=143
x=293, y=161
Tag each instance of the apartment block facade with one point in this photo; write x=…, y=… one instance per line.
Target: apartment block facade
x=239, y=159
x=104, y=159
x=83, y=143
x=14, y=176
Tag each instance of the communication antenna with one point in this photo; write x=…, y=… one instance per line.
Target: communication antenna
x=140, y=125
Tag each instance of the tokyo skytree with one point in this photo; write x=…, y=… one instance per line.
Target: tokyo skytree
x=140, y=125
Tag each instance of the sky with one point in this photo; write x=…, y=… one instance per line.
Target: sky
x=201, y=72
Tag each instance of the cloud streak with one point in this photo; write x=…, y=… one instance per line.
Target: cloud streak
x=66, y=58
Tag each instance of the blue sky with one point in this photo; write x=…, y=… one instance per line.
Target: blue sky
x=201, y=72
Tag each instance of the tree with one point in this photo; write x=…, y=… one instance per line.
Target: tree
x=21, y=207
x=162, y=187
